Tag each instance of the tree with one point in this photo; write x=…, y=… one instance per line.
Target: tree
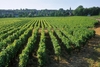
x=79, y=10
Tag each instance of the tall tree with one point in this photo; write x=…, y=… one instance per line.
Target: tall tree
x=79, y=10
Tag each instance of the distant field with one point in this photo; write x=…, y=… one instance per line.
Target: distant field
x=96, y=16
x=27, y=42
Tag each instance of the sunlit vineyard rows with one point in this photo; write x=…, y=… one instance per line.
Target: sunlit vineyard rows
x=27, y=42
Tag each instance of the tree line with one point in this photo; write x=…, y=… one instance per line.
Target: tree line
x=33, y=13
x=79, y=11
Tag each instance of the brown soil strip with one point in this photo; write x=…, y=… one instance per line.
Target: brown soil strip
x=97, y=29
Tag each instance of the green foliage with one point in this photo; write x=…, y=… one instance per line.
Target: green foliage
x=81, y=11
x=41, y=53
x=71, y=32
x=24, y=56
x=12, y=49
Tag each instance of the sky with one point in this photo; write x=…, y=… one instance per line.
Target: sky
x=47, y=4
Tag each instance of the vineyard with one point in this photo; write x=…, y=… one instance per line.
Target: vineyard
x=34, y=42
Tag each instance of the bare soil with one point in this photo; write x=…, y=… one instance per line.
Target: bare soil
x=97, y=28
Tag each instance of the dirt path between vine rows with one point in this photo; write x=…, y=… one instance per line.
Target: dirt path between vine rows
x=89, y=56
x=97, y=29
